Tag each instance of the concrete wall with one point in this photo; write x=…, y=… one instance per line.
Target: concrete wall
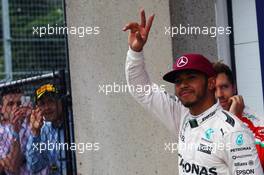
x=131, y=140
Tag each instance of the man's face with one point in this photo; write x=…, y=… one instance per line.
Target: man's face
x=51, y=108
x=10, y=102
x=191, y=87
x=224, y=90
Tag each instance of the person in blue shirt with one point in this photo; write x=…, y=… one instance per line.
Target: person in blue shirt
x=44, y=152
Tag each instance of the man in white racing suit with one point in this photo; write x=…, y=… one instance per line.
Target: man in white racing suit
x=211, y=141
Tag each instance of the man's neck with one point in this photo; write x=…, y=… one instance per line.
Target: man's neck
x=57, y=123
x=202, y=107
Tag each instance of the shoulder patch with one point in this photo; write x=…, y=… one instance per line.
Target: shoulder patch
x=229, y=119
x=173, y=97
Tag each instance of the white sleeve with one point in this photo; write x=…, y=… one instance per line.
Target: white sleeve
x=240, y=154
x=165, y=107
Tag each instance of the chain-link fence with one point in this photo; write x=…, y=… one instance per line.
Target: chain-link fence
x=35, y=126
x=35, y=135
x=24, y=52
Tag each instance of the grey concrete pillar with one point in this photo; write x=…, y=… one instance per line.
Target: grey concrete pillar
x=194, y=13
x=131, y=141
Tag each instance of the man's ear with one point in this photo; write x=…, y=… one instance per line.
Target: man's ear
x=211, y=83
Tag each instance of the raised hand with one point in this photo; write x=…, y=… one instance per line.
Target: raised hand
x=138, y=34
x=36, y=121
x=18, y=116
x=237, y=105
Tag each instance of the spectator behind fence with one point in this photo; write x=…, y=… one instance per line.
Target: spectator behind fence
x=226, y=93
x=14, y=132
x=44, y=156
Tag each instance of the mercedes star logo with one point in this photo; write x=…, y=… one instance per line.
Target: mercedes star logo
x=182, y=61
